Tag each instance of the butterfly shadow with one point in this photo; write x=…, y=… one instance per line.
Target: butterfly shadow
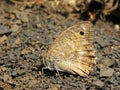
x=46, y=72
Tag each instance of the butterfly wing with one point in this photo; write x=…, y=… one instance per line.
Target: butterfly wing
x=72, y=51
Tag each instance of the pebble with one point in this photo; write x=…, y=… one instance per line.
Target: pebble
x=24, y=17
x=117, y=27
x=106, y=72
x=17, y=41
x=98, y=83
x=107, y=61
x=3, y=38
x=25, y=51
x=102, y=42
x=6, y=78
x=3, y=69
x=14, y=27
x=18, y=22
x=4, y=30
x=113, y=80
x=38, y=25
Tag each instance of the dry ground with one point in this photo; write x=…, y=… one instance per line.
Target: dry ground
x=25, y=36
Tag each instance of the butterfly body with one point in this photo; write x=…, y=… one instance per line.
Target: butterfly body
x=73, y=51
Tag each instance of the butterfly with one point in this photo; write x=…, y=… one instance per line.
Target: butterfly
x=73, y=51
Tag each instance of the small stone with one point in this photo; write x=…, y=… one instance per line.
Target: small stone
x=106, y=72
x=113, y=80
x=18, y=22
x=14, y=28
x=4, y=30
x=6, y=78
x=17, y=41
x=102, y=42
x=3, y=38
x=25, y=51
x=98, y=83
x=117, y=27
x=1, y=62
x=108, y=62
x=24, y=17
x=1, y=52
x=39, y=25
x=3, y=69
x=20, y=71
x=14, y=74
x=12, y=16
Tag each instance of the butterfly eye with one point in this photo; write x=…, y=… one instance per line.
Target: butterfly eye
x=81, y=33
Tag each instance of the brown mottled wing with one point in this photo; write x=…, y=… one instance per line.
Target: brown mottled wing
x=72, y=51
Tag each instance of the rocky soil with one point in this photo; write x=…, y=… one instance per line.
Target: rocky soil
x=26, y=32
